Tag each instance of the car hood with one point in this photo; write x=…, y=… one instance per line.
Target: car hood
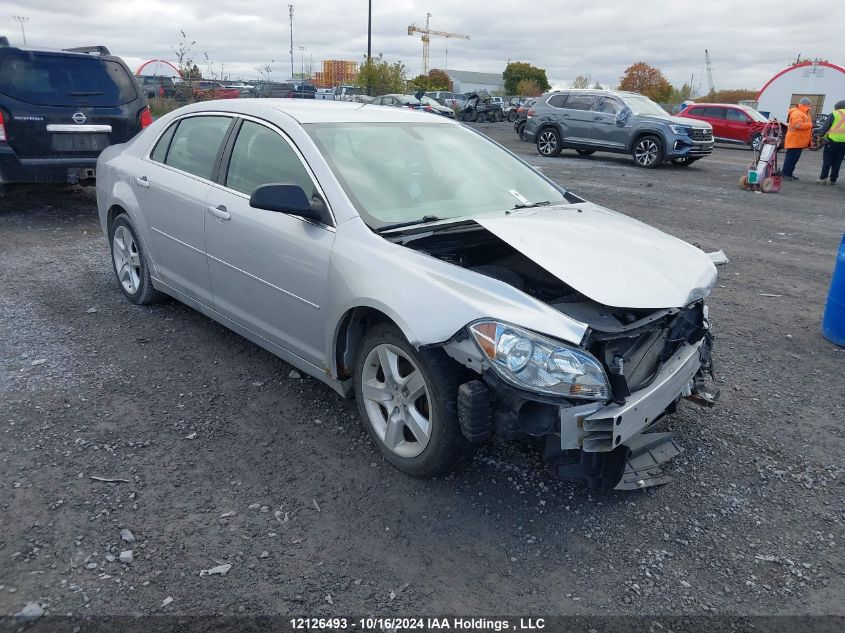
x=609, y=257
x=675, y=120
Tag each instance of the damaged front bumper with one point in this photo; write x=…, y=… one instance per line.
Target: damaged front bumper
x=599, y=443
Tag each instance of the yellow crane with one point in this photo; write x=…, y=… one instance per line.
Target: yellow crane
x=427, y=32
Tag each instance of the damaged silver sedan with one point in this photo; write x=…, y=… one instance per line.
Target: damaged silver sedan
x=416, y=265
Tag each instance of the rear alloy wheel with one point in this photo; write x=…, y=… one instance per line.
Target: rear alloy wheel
x=757, y=142
x=683, y=161
x=408, y=400
x=585, y=152
x=130, y=263
x=548, y=142
x=648, y=152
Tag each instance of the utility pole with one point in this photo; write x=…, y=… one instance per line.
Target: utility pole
x=290, y=10
x=709, y=66
x=21, y=19
x=369, y=47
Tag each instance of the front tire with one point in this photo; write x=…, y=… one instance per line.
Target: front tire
x=757, y=142
x=648, y=152
x=408, y=401
x=548, y=142
x=130, y=263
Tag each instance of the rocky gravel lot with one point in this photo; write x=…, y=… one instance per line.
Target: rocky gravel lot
x=243, y=488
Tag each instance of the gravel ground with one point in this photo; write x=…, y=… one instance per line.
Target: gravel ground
x=227, y=460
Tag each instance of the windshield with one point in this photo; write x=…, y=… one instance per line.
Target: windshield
x=755, y=116
x=406, y=100
x=643, y=105
x=45, y=79
x=402, y=172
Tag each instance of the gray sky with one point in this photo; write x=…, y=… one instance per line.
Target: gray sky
x=749, y=40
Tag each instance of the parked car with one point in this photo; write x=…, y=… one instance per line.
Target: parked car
x=272, y=89
x=452, y=303
x=155, y=86
x=731, y=123
x=522, y=117
x=205, y=89
x=512, y=106
x=620, y=122
x=60, y=109
x=480, y=108
x=325, y=94
x=245, y=89
x=345, y=93
x=444, y=98
x=304, y=91
x=398, y=101
x=430, y=105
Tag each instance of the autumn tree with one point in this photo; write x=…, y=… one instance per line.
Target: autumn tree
x=646, y=80
x=528, y=88
x=733, y=95
x=518, y=71
x=381, y=77
x=434, y=80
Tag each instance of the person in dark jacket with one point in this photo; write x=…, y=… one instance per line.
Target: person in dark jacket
x=833, y=133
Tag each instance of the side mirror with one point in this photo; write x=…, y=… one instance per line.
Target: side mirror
x=290, y=199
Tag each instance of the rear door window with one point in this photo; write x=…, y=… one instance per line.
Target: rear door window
x=196, y=143
x=159, y=154
x=580, y=102
x=737, y=116
x=714, y=113
x=65, y=80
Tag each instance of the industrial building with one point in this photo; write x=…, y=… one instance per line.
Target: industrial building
x=464, y=81
x=820, y=81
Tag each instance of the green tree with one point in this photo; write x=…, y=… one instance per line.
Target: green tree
x=648, y=81
x=434, y=80
x=581, y=82
x=517, y=71
x=381, y=77
x=528, y=88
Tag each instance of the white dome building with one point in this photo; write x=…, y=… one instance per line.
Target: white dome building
x=822, y=82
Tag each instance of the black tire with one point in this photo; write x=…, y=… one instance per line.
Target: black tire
x=684, y=161
x=648, y=152
x=498, y=117
x=548, y=142
x=756, y=142
x=481, y=117
x=520, y=131
x=143, y=293
x=469, y=117
x=586, y=152
x=447, y=447
x=512, y=116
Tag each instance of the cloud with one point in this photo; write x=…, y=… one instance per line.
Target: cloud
x=748, y=42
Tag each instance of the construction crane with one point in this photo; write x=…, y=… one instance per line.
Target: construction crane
x=426, y=35
x=710, y=83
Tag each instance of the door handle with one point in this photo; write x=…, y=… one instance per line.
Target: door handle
x=142, y=182
x=220, y=212
x=597, y=118
x=566, y=115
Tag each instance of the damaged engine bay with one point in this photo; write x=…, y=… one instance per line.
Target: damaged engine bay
x=631, y=344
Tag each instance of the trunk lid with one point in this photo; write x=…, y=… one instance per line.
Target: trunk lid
x=611, y=258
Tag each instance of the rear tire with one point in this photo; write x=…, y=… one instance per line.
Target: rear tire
x=767, y=185
x=511, y=116
x=648, y=152
x=756, y=142
x=130, y=263
x=548, y=142
x=481, y=118
x=419, y=435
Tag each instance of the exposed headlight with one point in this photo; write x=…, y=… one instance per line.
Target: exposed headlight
x=681, y=130
x=537, y=363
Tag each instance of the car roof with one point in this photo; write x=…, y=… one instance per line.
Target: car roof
x=598, y=91
x=720, y=105
x=306, y=111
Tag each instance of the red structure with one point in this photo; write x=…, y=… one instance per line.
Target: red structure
x=156, y=61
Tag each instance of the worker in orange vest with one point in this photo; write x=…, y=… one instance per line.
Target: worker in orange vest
x=799, y=135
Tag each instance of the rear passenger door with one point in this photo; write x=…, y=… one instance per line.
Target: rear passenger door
x=171, y=190
x=574, y=117
x=268, y=269
x=737, y=125
x=715, y=116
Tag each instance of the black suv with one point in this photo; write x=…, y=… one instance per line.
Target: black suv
x=60, y=109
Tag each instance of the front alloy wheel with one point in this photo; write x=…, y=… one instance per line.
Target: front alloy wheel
x=408, y=400
x=648, y=152
x=548, y=142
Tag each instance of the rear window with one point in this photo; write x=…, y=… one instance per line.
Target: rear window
x=58, y=80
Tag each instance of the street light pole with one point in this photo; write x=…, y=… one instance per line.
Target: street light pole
x=290, y=10
x=369, y=47
x=21, y=19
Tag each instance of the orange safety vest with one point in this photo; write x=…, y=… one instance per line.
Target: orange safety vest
x=799, y=132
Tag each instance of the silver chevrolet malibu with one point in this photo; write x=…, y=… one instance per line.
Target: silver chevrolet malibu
x=413, y=263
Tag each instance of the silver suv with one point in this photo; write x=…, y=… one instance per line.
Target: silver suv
x=621, y=122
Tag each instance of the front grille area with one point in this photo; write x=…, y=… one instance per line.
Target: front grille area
x=644, y=353
x=699, y=134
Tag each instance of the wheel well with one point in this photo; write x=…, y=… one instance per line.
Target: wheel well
x=114, y=211
x=639, y=135
x=350, y=332
x=546, y=126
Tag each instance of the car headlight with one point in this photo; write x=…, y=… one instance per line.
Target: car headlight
x=529, y=360
x=681, y=130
